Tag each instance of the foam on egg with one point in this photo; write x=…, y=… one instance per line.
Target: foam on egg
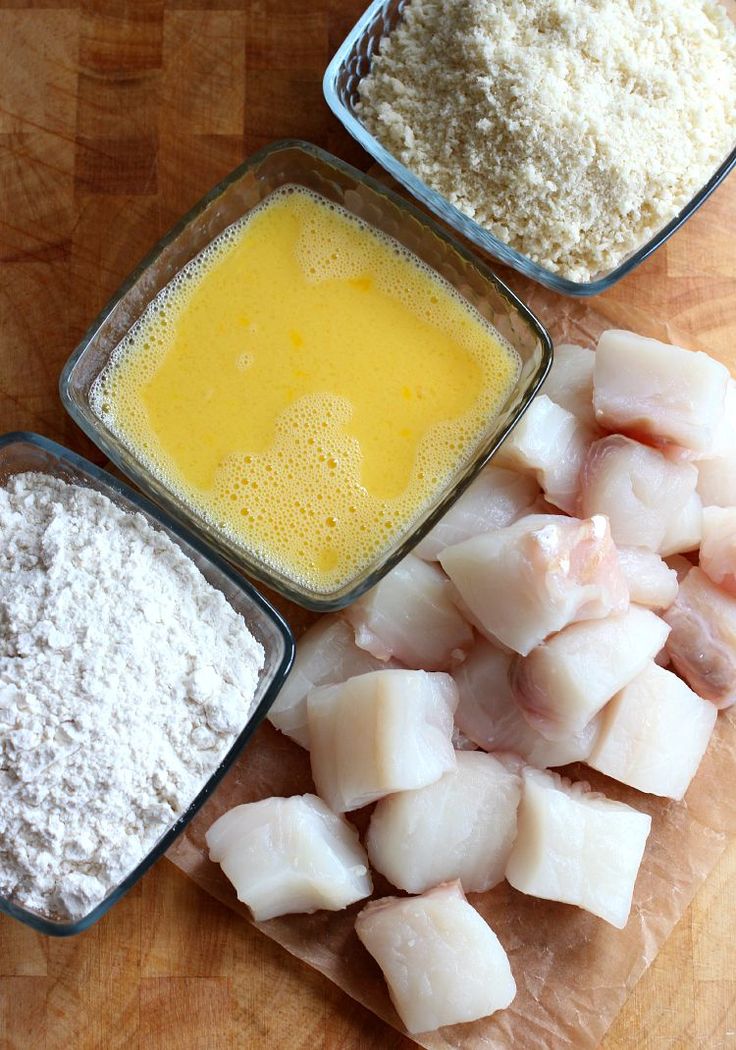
x=305, y=505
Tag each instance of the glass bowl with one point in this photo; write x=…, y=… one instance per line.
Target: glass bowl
x=20, y=452
x=301, y=164
x=352, y=62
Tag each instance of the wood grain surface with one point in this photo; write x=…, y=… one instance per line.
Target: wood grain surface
x=114, y=118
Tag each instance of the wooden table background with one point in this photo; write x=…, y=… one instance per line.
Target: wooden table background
x=114, y=119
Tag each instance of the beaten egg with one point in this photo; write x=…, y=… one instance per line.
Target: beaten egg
x=307, y=386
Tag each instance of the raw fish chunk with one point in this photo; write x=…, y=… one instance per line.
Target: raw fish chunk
x=718, y=548
x=702, y=643
x=442, y=962
x=566, y=681
x=680, y=565
x=495, y=499
x=685, y=532
x=541, y=506
x=290, y=855
x=717, y=480
x=570, y=381
x=410, y=616
x=654, y=734
x=461, y=827
x=534, y=577
x=642, y=492
x=489, y=715
x=380, y=732
x=650, y=581
x=717, y=470
x=550, y=443
x=576, y=846
x=662, y=393
x=325, y=654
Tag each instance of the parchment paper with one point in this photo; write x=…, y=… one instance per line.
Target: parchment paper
x=573, y=971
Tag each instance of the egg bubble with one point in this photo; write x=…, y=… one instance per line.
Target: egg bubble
x=252, y=499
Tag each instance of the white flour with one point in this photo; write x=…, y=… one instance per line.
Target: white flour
x=124, y=679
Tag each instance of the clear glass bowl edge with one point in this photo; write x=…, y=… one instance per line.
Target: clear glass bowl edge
x=105, y=483
x=127, y=463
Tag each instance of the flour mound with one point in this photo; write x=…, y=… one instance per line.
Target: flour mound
x=124, y=679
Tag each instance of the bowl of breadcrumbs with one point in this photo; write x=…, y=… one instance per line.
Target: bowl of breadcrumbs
x=567, y=138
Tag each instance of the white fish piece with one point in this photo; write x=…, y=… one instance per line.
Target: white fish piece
x=380, y=732
x=461, y=827
x=489, y=715
x=662, y=393
x=570, y=381
x=717, y=469
x=702, y=642
x=576, y=846
x=717, y=480
x=718, y=548
x=442, y=962
x=467, y=613
x=680, y=565
x=567, y=680
x=410, y=616
x=550, y=443
x=534, y=577
x=685, y=532
x=650, y=581
x=290, y=855
x=325, y=654
x=641, y=492
x=541, y=506
x=495, y=499
x=654, y=734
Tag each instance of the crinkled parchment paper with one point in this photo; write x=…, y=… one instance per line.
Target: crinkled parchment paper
x=573, y=971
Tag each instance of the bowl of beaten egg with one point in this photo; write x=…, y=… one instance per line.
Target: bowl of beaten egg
x=307, y=371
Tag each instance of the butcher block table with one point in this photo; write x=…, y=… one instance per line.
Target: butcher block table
x=114, y=119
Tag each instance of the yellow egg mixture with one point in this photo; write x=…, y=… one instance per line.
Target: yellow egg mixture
x=306, y=385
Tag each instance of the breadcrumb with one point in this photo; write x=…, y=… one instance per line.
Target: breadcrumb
x=572, y=130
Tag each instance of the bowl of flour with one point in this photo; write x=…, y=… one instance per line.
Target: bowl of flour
x=134, y=667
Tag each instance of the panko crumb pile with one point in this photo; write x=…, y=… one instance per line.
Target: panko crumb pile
x=571, y=131
x=577, y=604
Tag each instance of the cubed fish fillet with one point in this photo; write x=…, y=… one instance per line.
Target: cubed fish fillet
x=550, y=443
x=380, y=732
x=489, y=715
x=442, y=962
x=662, y=393
x=718, y=547
x=650, y=581
x=717, y=480
x=570, y=381
x=577, y=847
x=534, y=577
x=702, y=642
x=325, y=654
x=290, y=855
x=495, y=499
x=566, y=681
x=717, y=470
x=411, y=617
x=654, y=733
x=649, y=500
x=461, y=827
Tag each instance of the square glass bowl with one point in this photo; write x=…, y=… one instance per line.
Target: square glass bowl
x=20, y=452
x=352, y=62
x=301, y=164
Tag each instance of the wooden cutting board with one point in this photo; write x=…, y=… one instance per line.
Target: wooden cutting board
x=114, y=118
